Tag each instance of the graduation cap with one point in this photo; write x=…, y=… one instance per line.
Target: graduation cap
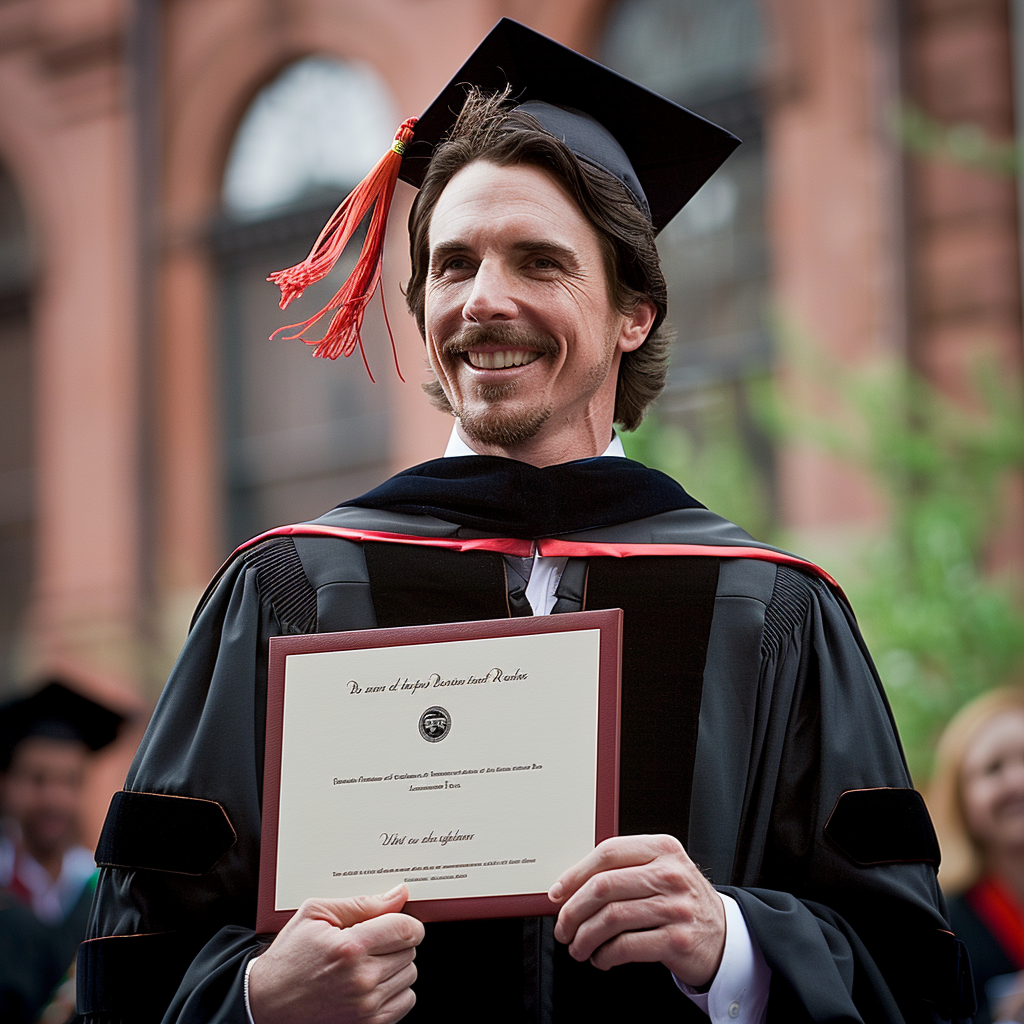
x=55, y=712
x=661, y=152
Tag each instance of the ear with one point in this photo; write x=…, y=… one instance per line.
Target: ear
x=636, y=326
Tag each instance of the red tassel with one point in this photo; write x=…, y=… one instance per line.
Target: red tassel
x=375, y=190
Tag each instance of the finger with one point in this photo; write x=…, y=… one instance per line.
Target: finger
x=394, y=985
x=387, y=934
x=388, y=966
x=343, y=913
x=618, y=852
x=618, y=918
x=630, y=947
x=693, y=955
x=397, y=1007
x=601, y=889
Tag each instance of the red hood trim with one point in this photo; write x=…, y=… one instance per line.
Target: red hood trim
x=552, y=547
x=503, y=545
x=595, y=549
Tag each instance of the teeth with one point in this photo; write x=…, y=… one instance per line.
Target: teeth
x=501, y=359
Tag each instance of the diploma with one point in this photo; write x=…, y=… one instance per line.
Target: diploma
x=473, y=761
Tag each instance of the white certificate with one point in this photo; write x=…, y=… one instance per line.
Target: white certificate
x=474, y=762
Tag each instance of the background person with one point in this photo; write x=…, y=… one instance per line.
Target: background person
x=977, y=803
x=47, y=877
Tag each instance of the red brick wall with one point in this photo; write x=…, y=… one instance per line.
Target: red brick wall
x=963, y=247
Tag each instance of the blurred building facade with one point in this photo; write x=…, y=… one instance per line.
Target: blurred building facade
x=159, y=157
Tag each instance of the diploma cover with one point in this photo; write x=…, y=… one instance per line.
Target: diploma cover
x=473, y=761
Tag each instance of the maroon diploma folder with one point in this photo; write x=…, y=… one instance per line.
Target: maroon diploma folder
x=474, y=761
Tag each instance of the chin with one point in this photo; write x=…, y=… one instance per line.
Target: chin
x=504, y=429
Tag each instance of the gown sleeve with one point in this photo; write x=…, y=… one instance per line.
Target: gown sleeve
x=180, y=847
x=839, y=858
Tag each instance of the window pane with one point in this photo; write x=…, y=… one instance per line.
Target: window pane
x=321, y=124
x=301, y=434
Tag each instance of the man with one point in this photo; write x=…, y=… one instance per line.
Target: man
x=46, y=875
x=756, y=741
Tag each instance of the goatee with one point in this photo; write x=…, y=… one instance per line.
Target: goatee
x=504, y=428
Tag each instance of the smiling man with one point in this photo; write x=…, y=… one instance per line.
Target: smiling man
x=519, y=322
x=773, y=862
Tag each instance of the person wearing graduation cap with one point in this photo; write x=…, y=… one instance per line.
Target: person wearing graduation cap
x=774, y=861
x=46, y=875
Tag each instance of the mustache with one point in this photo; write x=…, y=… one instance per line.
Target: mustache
x=503, y=335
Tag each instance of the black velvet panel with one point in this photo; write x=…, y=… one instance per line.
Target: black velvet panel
x=883, y=826
x=667, y=608
x=466, y=968
x=156, y=832
x=513, y=499
x=413, y=585
x=131, y=976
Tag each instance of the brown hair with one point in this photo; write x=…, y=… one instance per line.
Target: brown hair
x=962, y=858
x=489, y=129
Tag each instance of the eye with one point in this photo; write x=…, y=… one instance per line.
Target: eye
x=543, y=264
x=455, y=266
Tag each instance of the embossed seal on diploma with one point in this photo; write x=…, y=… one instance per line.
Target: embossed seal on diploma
x=435, y=724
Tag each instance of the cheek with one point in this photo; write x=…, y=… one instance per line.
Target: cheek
x=979, y=796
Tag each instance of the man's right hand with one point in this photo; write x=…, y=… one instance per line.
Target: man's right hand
x=337, y=961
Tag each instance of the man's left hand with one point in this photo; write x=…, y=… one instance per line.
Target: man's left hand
x=641, y=898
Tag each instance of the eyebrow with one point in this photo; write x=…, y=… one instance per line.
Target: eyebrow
x=443, y=250
x=530, y=246
x=542, y=247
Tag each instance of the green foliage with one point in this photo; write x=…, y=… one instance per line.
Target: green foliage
x=710, y=459
x=943, y=623
x=965, y=144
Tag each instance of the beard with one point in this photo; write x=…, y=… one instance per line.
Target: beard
x=499, y=425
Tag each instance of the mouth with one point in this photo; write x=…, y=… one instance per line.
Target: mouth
x=500, y=359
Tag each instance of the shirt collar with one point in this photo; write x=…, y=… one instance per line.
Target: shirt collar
x=457, y=447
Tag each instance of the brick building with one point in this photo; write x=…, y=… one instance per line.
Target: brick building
x=146, y=190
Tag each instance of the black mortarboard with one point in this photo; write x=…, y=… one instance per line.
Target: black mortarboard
x=652, y=145
x=660, y=151
x=56, y=712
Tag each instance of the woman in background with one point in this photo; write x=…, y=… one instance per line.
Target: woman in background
x=977, y=803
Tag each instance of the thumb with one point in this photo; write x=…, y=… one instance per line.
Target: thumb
x=343, y=913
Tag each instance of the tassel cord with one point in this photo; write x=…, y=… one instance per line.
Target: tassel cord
x=343, y=334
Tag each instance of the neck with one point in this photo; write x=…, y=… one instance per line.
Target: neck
x=49, y=858
x=549, y=448
x=1008, y=867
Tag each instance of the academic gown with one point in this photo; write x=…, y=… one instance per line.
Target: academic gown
x=754, y=728
x=989, y=957
x=35, y=955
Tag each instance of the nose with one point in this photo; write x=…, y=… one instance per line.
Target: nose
x=491, y=296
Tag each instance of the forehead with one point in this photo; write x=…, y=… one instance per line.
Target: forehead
x=1004, y=732
x=484, y=200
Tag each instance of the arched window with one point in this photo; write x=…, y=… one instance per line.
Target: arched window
x=708, y=56
x=16, y=415
x=301, y=434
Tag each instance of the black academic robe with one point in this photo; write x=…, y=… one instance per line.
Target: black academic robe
x=988, y=957
x=35, y=956
x=754, y=728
